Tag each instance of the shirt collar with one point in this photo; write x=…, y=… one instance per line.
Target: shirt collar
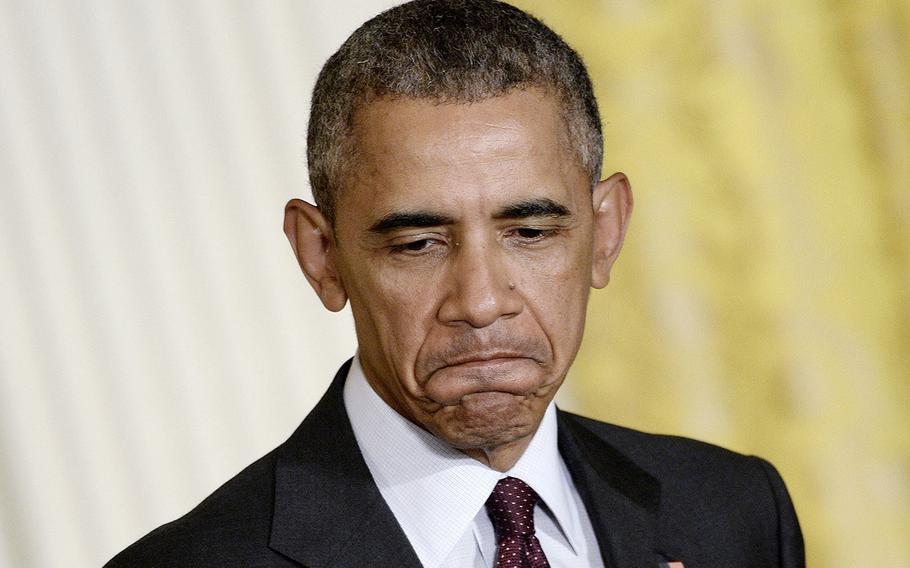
x=434, y=490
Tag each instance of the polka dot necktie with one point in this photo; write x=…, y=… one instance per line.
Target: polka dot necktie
x=511, y=508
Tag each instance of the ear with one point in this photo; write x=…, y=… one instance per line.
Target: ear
x=612, y=201
x=311, y=237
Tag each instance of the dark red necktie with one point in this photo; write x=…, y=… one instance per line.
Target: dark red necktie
x=511, y=508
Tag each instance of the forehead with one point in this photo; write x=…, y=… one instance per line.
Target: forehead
x=527, y=120
x=414, y=152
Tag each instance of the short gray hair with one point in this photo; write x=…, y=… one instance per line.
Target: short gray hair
x=450, y=51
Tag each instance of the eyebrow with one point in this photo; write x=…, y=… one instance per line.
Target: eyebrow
x=542, y=207
x=409, y=219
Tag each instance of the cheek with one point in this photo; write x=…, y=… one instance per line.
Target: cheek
x=400, y=307
x=557, y=294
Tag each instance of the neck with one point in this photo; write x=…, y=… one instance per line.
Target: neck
x=502, y=457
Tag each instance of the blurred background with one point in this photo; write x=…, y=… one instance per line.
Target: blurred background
x=156, y=335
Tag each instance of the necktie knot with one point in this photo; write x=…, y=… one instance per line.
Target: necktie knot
x=511, y=508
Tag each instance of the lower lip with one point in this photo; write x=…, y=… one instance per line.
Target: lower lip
x=489, y=362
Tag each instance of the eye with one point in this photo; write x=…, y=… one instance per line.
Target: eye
x=530, y=233
x=415, y=247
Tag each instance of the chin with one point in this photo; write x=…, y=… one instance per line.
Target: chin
x=489, y=420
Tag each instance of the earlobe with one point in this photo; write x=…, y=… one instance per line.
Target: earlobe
x=612, y=203
x=310, y=235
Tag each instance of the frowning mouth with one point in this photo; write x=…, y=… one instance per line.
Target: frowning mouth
x=484, y=371
x=485, y=358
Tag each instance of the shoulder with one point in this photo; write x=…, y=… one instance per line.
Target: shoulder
x=229, y=528
x=706, y=497
x=673, y=459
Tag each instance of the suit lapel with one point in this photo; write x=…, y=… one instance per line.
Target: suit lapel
x=621, y=499
x=328, y=510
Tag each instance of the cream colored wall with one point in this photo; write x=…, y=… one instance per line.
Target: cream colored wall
x=156, y=335
x=762, y=301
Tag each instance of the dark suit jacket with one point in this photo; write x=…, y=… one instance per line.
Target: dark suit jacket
x=313, y=502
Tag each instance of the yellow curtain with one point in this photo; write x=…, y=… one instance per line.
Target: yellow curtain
x=762, y=301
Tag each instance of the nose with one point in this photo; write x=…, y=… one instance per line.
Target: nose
x=480, y=290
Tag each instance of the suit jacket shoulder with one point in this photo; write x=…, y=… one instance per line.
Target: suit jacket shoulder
x=706, y=506
x=310, y=502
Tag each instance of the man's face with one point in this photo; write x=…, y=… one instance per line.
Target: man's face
x=465, y=241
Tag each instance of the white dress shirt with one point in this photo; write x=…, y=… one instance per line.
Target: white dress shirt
x=438, y=494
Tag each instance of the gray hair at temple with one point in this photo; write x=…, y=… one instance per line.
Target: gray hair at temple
x=448, y=51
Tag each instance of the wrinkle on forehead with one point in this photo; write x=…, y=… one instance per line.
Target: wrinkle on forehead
x=503, y=126
x=477, y=141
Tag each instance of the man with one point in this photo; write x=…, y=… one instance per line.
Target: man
x=454, y=151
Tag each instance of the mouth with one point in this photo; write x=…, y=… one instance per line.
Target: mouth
x=485, y=359
x=484, y=373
